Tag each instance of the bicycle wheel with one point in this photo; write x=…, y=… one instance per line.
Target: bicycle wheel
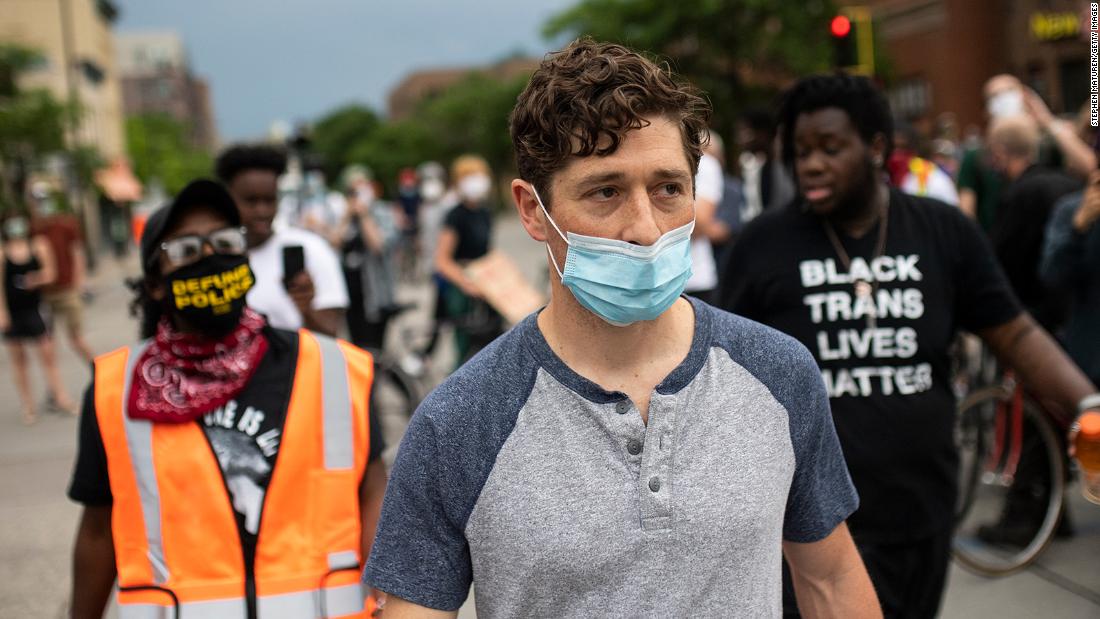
x=1011, y=482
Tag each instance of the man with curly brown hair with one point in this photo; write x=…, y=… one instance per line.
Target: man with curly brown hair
x=626, y=451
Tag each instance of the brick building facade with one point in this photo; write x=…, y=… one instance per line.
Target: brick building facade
x=156, y=78
x=940, y=52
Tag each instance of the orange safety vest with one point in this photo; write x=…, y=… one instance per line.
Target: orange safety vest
x=176, y=540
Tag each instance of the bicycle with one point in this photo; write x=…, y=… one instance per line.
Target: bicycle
x=400, y=380
x=398, y=388
x=1013, y=476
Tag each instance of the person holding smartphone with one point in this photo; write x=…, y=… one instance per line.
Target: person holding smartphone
x=312, y=293
x=466, y=235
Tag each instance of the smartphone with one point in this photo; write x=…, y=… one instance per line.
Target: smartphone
x=294, y=261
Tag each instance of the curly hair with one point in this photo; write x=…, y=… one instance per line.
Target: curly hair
x=857, y=96
x=582, y=100
x=241, y=157
x=144, y=307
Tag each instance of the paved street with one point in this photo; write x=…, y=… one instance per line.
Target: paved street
x=37, y=522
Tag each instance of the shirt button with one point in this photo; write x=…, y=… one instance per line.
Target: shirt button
x=634, y=448
x=622, y=407
x=654, y=484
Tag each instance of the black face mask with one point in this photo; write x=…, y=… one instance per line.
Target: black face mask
x=209, y=294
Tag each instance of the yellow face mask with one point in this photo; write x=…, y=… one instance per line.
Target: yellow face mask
x=210, y=294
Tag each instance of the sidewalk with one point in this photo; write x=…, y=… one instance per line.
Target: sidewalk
x=1064, y=582
x=37, y=522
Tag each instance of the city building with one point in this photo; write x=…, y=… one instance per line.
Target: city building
x=76, y=42
x=75, y=39
x=424, y=85
x=940, y=52
x=156, y=78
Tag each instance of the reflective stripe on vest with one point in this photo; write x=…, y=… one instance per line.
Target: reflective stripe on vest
x=214, y=609
x=336, y=602
x=139, y=438
x=336, y=404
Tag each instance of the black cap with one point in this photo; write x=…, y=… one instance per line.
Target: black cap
x=203, y=192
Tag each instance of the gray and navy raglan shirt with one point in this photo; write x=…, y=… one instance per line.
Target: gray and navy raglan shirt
x=553, y=498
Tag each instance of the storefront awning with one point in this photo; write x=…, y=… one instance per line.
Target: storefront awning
x=118, y=182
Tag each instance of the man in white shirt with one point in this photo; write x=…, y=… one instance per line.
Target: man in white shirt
x=708, y=193
x=314, y=298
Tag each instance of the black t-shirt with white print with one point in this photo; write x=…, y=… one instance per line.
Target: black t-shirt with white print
x=244, y=434
x=884, y=356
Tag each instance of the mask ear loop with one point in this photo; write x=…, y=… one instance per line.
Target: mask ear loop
x=556, y=228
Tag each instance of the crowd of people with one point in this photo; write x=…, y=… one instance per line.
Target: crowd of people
x=739, y=399
x=245, y=282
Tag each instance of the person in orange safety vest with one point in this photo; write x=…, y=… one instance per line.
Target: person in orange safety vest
x=227, y=469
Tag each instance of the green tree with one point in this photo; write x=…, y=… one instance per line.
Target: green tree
x=32, y=123
x=159, y=148
x=14, y=60
x=736, y=51
x=337, y=133
x=395, y=145
x=469, y=117
x=472, y=117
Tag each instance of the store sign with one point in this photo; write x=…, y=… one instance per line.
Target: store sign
x=1054, y=26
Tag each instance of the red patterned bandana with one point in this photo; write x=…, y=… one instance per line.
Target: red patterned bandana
x=181, y=377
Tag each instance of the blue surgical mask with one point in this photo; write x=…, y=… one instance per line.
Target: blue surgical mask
x=620, y=282
x=16, y=228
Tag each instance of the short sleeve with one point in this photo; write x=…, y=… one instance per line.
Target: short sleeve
x=822, y=494
x=90, y=483
x=941, y=188
x=983, y=296
x=330, y=290
x=420, y=552
x=968, y=171
x=708, y=181
x=453, y=219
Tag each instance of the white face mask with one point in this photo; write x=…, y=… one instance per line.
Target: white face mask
x=1006, y=103
x=475, y=187
x=365, y=193
x=432, y=190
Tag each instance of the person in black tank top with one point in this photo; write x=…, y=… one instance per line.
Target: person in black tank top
x=27, y=266
x=466, y=235
x=25, y=317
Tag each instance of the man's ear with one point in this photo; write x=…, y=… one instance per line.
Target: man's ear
x=530, y=213
x=878, y=149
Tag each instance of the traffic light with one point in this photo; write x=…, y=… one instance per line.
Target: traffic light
x=843, y=31
x=850, y=31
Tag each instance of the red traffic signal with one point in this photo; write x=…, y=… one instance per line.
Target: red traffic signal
x=841, y=26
